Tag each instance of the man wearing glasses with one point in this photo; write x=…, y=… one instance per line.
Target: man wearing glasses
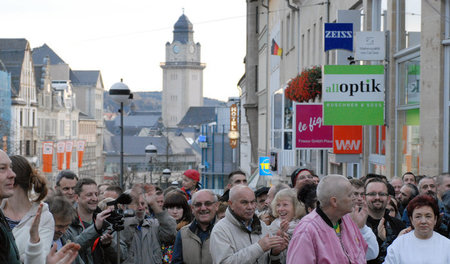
x=192, y=242
x=385, y=227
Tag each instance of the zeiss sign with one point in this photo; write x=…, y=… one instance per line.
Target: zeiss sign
x=338, y=36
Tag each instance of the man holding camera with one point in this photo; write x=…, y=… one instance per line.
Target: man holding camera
x=142, y=235
x=98, y=244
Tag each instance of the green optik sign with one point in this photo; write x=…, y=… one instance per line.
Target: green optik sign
x=353, y=94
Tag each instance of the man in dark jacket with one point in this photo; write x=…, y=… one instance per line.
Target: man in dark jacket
x=192, y=242
x=8, y=248
x=88, y=229
x=385, y=227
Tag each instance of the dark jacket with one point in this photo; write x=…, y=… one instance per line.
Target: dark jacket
x=86, y=236
x=8, y=248
x=393, y=227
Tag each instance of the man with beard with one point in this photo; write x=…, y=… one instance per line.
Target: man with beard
x=143, y=236
x=192, y=242
x=385, y=227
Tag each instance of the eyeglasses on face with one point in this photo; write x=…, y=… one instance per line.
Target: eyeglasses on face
x=373, y=194
x=206, y=204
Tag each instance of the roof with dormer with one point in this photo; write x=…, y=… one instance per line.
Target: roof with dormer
x=12, y=53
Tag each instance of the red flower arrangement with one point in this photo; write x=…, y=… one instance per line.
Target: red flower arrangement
x=307, y=85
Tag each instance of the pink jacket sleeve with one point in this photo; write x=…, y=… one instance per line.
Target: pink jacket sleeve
x=301, y=249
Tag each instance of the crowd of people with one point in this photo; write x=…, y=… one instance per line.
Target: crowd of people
x=331, y=219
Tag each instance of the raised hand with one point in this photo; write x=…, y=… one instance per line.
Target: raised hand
x=65, y=255
x=34, y=230
x=382, y=229
x=359, y=215
x=272, y=242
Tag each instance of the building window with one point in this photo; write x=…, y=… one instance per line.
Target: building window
x=35, y=147
x=27, y=148
x=408, y=23
x=408, y=114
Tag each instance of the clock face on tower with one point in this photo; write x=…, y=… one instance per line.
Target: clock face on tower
x=176, y=49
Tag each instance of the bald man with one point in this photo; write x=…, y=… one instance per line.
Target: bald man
x=328, y=234
x=241, y=237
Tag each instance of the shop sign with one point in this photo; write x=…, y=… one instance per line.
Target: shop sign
x=353, y=94
x=264, y=166
x=310, y=131
x=347, y=139
x=370, y=45
x=338, y=36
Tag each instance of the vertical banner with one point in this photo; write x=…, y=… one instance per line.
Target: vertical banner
x=80, y=151
x=47, y=156
x=310, y=131
x=347, y=139
x=60, y=149
x=233, y=134
x=69, y=146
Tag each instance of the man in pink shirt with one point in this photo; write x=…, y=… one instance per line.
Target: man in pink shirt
x=328, y=234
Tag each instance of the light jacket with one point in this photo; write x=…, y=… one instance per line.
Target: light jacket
x=34, y=253
x=315, y=241
x=232, y=242
x=144, y=245
x=190, y=248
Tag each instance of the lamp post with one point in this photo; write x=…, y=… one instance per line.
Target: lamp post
x=121, y=94
x=150, y=152
x=166, y=173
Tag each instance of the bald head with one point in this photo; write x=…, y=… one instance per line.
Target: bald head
x=238, y=191
x=331, y=186
x=242, y=202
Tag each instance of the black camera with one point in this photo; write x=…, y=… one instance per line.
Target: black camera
x=115, y=219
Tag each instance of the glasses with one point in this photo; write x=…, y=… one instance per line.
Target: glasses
x=206, y=204
x=373, y=194
x=360, y=194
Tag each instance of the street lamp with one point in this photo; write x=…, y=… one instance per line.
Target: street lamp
x=121, y=94
x=166, y=173
x=150, y=152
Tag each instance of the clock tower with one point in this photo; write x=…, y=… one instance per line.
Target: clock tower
x=182, y=74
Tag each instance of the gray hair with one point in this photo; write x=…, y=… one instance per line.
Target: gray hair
x=194, y=196
x=426, y=178
x=330, y=186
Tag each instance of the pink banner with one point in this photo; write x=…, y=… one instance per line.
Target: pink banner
x=310, y=131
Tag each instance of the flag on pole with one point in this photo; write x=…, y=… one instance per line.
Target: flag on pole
x=47, y=156
x=80, y=151
x=275, y=49
x=69, y=146
x=60, y=149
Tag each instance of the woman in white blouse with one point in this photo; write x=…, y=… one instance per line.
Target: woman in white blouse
x=422, y=244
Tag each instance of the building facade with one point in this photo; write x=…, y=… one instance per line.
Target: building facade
x=182, y=74
x=415, y=136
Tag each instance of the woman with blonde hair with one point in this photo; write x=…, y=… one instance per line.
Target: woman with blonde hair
x=30, y=189
x=287, y=211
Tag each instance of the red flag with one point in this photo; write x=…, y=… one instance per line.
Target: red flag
x=47, y=156
x=80, y=151
x=69, y=146
x=60, y=149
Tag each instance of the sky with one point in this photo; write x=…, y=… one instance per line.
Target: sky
x=126, y=39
